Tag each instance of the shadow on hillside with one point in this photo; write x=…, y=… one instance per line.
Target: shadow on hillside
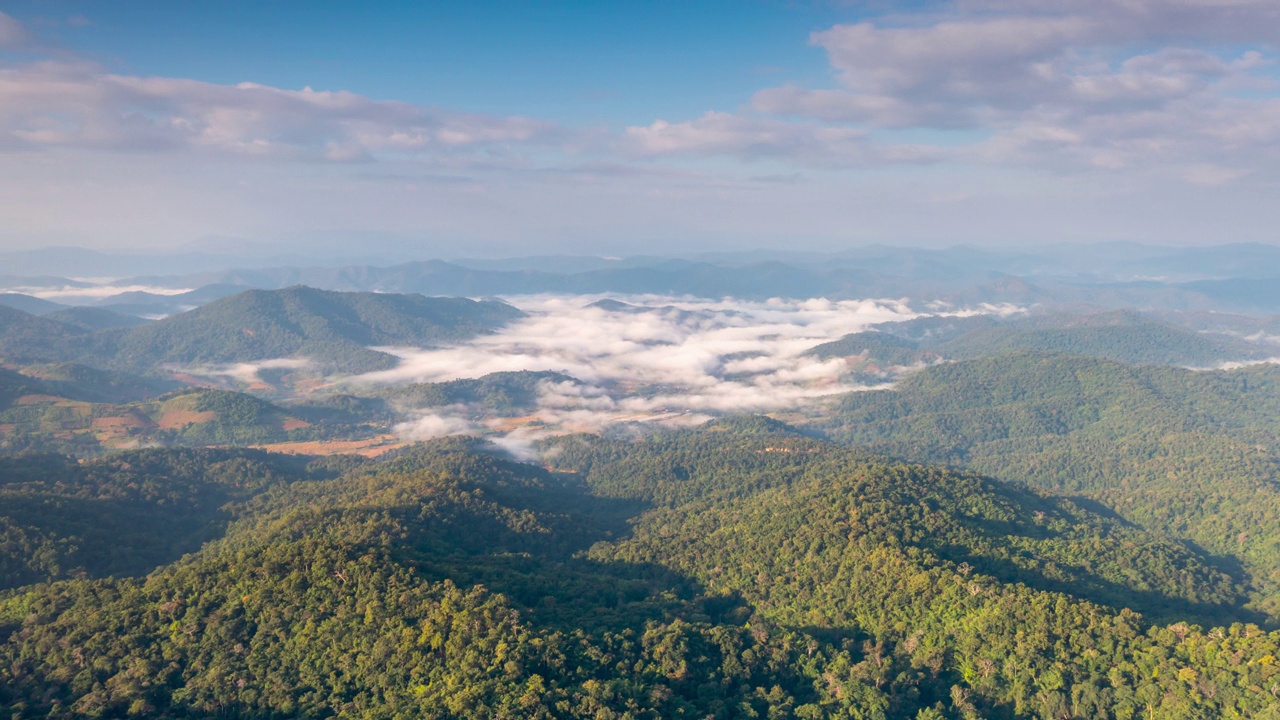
x=1098, y=508
x=1156, y=606
x=95, y=537
x=546, y=571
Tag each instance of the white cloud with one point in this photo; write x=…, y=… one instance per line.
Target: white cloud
x=58, y=104
x=1063, y=85
x=671, y=360
x=86, y=293
x=431, y=425
x=1238, y=364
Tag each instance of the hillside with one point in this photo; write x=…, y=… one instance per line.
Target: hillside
x=1190, y=454
x=29, y=304
x=333, y=329
x=1124, y=336
x=501, y=391
x=28, y=338
x=41, y=418
x=738, y=571
x=91, y=318
x=121, y=516
x=80, y=382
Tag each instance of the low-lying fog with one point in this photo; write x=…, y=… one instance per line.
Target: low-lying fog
x=648, y=359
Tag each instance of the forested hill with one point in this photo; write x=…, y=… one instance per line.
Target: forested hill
x=1190, y=454
x=334, y=329
x=738, y=571
x=502, y=391
x=1124, y=336
x=64, y=417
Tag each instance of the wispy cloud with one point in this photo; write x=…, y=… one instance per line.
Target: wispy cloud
x=86, y=292
x=12, y=34
x=247, y=373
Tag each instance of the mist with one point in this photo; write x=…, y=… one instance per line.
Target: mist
x=648, y=359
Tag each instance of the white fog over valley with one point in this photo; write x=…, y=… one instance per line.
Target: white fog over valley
x=670, y=360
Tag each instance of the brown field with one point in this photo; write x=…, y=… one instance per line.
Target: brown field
x=178, y=419
x=119, y=428
x=294, y=424
x=507, y=424
x=368, y=447
x=33, y=399
x=7, y=428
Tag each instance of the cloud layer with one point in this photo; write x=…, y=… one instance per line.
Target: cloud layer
x=1063, y=85
x=652, y=359
x=58, y=104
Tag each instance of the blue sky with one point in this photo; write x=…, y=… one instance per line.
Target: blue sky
x=501, y=128
x=573, y=62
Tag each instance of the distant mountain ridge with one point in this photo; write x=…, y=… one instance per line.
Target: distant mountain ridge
x=1124, y=336
x=1228, y=278
x=333, y=329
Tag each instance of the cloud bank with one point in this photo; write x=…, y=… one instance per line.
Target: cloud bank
x=675, y=361
x=75, y=105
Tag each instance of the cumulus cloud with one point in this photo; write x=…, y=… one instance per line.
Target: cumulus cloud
x=1097, y=84
x=673, y=361
x=59, y=104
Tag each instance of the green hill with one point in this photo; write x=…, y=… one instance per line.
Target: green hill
x=1123, y=335
x=47, y=421
x=879, y=349
x=501, y=391
x=91, y=318
x=14, y=385
x=1190, y=454
x=738, y=571
x=83, y=383
x=124, y=515
x=334, y=329
x=26, y=338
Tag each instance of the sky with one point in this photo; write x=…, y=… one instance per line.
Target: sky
x=521, y=128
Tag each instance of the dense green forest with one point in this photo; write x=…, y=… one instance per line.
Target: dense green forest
x=740, y=570
x=1045, y=521
x=1189, y=454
